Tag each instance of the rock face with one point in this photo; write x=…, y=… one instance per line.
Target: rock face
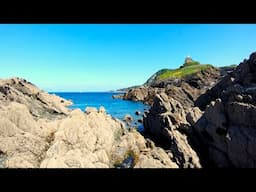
x=193, y=115
x=166, y=121
x=118, y=96
x=39, y=103
x=66, y=139
x=185, y=90
x=22, y=140
x=143, y=152
x=137, y=94
x=144, y=94
x=83, y=140
x=227, y=127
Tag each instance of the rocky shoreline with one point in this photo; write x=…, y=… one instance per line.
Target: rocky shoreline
x=204, y=120
x=186, y=90
x=38, y=131
x=213, y=126
x=222, y=130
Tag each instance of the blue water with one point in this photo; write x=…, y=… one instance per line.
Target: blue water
x=118, y=108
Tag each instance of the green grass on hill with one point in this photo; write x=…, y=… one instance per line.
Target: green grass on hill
x=191, y=63
x=182, y=72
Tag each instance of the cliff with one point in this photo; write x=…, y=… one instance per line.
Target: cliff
x=219, y=131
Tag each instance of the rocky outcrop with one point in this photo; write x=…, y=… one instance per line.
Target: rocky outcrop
x=227, y=127
x=39, y=103
x=142, y=152
x=118, y=96
x=166, y=121
x=22, y=139
x=74, y=139
x=193, y=115
x=137, y=94
x=185, y=90
x=156, y=158
x=137, y=113
x=144, y=94
x=128, y=119
x=83, y=140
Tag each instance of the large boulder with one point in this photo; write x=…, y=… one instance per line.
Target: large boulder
x=166, y=121
x=193, y=115
x=227, y=127
x=142, y=152
x=83, y=140
x=22, y=142
x=39, y=103
x=118, y=96
x=136, y=94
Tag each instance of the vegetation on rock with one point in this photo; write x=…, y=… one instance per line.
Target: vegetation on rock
x=186, y=70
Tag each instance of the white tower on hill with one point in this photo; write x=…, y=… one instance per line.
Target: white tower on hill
x=188, y=59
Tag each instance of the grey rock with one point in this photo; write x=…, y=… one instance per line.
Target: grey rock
x=227, y=129
x=239, y=98
x=193, y=115
x=137, y=112
x=165, y=121
x=128, y=118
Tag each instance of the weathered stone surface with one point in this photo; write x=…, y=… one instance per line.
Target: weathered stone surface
x=76, y=140
x=156, y=158
x=89, y=110
x=102, y=109
x=39, y=103
x=128, y=118
x=137, y=112
x=185, y=90
x=165, y=121
x=193, y=115
x=227, y=129
x=143, y=152
x=118, y=96
x=137, y=94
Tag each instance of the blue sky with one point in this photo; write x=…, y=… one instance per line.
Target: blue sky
x=99, y=57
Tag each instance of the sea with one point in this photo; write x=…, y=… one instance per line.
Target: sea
x=117, y=108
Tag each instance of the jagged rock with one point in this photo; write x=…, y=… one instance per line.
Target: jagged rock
x=193, y=115
x=134, y=151
x=137, y=112
x=82, y=140
x=185, y=90
x=118, y=96
x=76, y=140
x=156, y=158
x=239, y=97
x=137, y=94
x=164, y=112
x=128, y=118
x=39, y=103
x=241, y=114
x=227, y=128
x=164, y=122
x=89, y=110
x=22, y=140
x=140, y=120
x=102, y=109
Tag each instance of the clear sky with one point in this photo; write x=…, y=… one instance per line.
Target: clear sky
x=99, y=57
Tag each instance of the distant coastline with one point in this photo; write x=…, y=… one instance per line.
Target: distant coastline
x=119, y=92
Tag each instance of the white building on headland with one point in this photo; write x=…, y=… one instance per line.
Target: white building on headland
x=188, y=59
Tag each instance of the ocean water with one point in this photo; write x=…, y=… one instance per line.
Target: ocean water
x=118, y=108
